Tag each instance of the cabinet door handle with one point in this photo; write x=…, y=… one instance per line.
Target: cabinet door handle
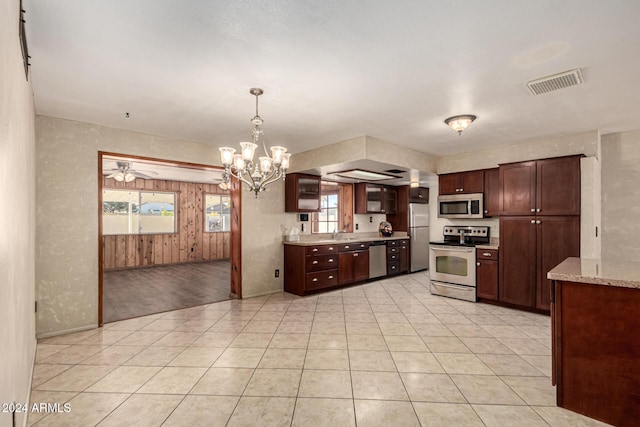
x=362, y=246
x=331, y=248
x=486, y=253
x=315, y=250
x=315, y=279
x=533, y=210
x=330, y=259
x=478, y=264
x=419, y=196
x=314, y=262
x=538, y=222
x=533, y=221
x=486, y=211
x=346, y=246
x=330, y=277
x=538, y=210
x=356, y=254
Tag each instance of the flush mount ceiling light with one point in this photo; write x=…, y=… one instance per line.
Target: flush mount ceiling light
x=257, y=175
x=460, y=123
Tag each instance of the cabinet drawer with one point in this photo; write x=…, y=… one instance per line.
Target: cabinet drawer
x=393, y=267
x=487, y=254
x=393, y=257
x=392, y=250
x=321, y=249
x=321, y=262
x=353, y=246
x=321, y=279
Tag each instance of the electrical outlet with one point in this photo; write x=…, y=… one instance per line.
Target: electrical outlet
x=357, y=226
x=277, y=273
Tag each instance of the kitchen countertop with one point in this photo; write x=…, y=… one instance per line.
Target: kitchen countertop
x=492, y=247
x=360, y=239
x=598, y=272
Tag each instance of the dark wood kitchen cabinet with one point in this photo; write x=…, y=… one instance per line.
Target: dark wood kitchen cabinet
x=310, y=268
x=596, y=348
x=353, y=262
x=487, y=274
x=374, y=198
x=492, y=205
x=461, y=182
x=302, y=193
x=397, y=256
x=541, y=187
x=530, y=246
x=539, y=226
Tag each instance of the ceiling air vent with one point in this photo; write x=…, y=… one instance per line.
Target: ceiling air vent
x=395, y=171
x=555, y=82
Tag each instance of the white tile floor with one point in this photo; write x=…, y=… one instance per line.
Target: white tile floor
x=385, y=353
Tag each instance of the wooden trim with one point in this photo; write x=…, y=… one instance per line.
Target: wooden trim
x=100, y=241
x=235, y=194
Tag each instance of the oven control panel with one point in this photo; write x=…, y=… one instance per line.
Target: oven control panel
x=476, y=231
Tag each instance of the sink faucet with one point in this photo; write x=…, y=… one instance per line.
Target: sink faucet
x=336, y=233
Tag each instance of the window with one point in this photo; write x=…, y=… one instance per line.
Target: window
x=217, y=213
x=336, y=208
x=138, y=212
x=327, y=219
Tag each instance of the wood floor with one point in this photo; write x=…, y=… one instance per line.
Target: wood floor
x=143, y=291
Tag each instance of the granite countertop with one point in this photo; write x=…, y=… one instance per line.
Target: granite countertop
x=351, y=239
x=598, y=272
x=492, y=247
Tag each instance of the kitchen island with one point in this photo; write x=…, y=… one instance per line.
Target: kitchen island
x=595, y=313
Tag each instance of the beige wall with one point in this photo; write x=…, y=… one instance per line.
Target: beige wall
x=587, y=143
x=621, y=196
x=17, y=222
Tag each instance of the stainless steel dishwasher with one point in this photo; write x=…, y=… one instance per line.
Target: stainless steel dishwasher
x=377, y=259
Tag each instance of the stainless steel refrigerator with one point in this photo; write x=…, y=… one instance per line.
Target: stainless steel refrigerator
x=419, y=233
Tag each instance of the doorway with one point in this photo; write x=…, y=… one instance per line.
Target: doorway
x=168, y=236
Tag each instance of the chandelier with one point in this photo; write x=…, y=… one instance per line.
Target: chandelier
x=257, y=175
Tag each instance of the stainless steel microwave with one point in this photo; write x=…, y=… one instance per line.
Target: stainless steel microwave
x=461, y=206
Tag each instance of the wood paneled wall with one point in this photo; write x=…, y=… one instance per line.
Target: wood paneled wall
x=190, y=244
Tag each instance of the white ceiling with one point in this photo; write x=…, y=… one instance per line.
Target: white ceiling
x=337, y=69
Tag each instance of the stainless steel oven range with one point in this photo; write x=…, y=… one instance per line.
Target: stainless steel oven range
x=453, y=261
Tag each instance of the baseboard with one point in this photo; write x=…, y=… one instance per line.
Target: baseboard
x=277, y=291
x=67, y=331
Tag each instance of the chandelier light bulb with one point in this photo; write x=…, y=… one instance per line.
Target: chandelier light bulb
x=226, y=155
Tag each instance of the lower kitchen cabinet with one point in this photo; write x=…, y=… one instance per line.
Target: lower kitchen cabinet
x=353, y=261
x=487, y=274
x=397, y=256
x=596, y=348
x=310, y=268
x=530, y=246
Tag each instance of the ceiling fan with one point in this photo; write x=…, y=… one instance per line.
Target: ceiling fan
x=126, y=174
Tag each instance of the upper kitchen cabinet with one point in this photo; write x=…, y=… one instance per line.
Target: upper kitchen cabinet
x=541, y=187
x=418, y=195
x=302, y=193
x=492, y=190
x=374, y=198
x=461, y=182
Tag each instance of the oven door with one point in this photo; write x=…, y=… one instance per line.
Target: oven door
x=453, y=264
